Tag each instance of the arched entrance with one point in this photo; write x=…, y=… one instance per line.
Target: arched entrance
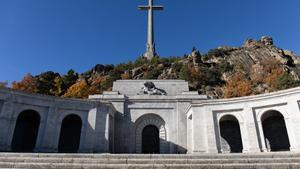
x=274, y=128
x=150, y=140
x=148, y=127
x=26, y=131
x=69, y=139
x=231, y=140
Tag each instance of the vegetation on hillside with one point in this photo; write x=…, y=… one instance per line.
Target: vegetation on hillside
x=257, y=67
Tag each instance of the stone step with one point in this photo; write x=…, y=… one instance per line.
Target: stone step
x=148, y=161
x=137, y=161
x=148, y=166
x=154, y=156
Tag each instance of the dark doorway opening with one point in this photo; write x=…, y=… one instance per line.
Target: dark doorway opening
x=69, y=139
x=231, y=140
x=150, y=140
x=274, y=128
x=26, y=131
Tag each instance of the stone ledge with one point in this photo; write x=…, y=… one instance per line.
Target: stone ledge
x=278, y=94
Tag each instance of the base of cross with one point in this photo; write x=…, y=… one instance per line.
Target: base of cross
x=150, y=55
x=150, y=51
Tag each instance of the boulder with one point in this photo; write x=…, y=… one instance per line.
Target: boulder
x=267, y=40
x=137, y=71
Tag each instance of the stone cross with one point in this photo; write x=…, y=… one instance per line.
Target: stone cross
x=150, y=50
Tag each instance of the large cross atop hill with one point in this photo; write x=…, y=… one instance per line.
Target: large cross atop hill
x=150, y=47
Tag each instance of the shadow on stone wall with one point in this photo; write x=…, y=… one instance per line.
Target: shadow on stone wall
x=125, y=134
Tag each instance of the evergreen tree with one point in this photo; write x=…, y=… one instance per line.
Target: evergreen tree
x=46, y=82
x=185, y=73
x=69, y=79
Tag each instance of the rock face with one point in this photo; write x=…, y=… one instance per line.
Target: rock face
x=137, y=72
x=253, y=52
x=266, y=40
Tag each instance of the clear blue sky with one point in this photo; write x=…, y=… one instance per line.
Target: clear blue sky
x=41, y=35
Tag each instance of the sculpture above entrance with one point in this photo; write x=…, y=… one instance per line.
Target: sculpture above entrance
x=150, y=89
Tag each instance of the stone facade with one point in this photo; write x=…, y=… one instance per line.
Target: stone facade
x=114, y=122
x=52, y=111
x=135, y=111
x=250, y=112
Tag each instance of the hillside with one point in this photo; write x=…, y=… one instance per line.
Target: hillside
x=254, y=68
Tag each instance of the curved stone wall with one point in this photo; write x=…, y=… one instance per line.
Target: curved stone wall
x=186, y=122
x=52, y=111
x=203, y=117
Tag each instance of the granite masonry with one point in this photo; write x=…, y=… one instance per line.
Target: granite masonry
x=150, y=117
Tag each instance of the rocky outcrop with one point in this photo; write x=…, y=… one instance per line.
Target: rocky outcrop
x=254, y=51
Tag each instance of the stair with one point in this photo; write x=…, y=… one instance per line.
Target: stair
x=134, y=161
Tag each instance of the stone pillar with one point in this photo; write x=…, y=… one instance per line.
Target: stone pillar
x=101, y=136
x=150, y=51
x=41, y=133
x=183, y=102
x=290, y=132
x=51, y=131
x=1, y=105
x=212, y=132
x=111, y=132
x=190, y=141
x=121, y=119
x=244, y=136
x=6, y=123
x=252, y=133
x=119, y=102
x=200, y=134
x=182, y=127
x=88, y=142
x=293, y=111
x=263, y=147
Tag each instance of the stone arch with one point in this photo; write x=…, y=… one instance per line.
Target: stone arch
x=150, y=140
x=275, y=132
x=262, y=113
x=26, y=131
x=151, y=120
x=70, y=133
x=237, y=116
x=230, y=134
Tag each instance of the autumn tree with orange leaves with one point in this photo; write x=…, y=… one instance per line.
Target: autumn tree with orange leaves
x=238, y=85
x=78, y=90
x=27, y=84
x=272, y=74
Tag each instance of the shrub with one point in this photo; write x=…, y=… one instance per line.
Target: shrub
x=285, y=81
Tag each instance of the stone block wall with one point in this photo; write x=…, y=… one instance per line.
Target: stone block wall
x=94, y=115
x=249, y=112
x=187, y=122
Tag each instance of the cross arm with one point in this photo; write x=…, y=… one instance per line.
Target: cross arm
x=158, y=8
x=144, y=7
x=153, y=7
